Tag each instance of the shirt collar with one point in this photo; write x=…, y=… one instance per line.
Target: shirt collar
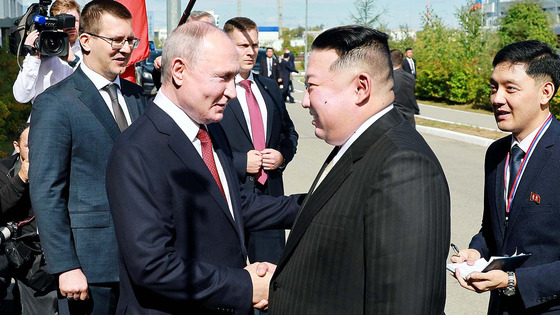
x=187, y=125
x=526, y=143
x=239, y=78
x=98, y=80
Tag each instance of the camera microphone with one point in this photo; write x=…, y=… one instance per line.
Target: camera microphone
x=39, y=19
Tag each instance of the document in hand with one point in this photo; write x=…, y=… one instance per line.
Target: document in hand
x=496, y=263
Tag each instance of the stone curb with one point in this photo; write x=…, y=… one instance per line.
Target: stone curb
x=485, y=142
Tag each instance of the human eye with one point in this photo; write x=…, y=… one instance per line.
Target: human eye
x=493, y=88
x=511, y=88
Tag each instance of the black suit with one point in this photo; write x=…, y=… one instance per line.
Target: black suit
x=281, y=136
x=374, y=235
x=180, y=249
x=405, y=101
x=285, y=69
x=532, y=227
x=406, y=66
x=263, y=69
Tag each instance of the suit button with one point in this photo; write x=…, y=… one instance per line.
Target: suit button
x=252, y=179
x=275, y=286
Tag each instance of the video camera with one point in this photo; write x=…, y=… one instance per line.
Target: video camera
x=50, y=42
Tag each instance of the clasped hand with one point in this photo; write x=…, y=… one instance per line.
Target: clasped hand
x=268, y=159
x=260, y=273
x=478, y=281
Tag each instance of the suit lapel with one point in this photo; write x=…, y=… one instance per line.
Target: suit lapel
x=337, y=176
x=498, y=184
x=130, y=100
x=238, y=113
x=185, y=151
x=90, y=96
x=269, y=103
x=533, y=170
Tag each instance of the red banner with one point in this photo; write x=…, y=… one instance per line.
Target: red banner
x=140, y=27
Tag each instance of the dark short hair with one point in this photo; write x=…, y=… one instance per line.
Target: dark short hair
x=90, y=21
x=20, y=130
x=540, y=60
x=407, y=49
x=286, y=55
x=267, y=48
x=358, y=46
x=397, y=57
x=239, y=23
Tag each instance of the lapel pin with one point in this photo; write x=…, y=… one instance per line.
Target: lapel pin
x=535, y=198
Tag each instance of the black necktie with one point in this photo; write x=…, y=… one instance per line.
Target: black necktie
x=117, y=109
x=515, y=160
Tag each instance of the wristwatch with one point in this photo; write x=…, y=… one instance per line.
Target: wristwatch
x=510, y=289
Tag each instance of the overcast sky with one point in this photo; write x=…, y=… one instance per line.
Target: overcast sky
x=327, y=12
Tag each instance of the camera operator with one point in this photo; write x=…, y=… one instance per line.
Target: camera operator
x=38, y=73
x=37, y=288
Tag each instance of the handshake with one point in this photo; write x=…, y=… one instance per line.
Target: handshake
x=261, y=273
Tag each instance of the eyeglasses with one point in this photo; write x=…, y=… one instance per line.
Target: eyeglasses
x=119, y=43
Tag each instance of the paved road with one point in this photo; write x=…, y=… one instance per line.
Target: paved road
x=463, y=166
x=462, y=117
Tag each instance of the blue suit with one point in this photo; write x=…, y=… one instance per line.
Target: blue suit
x=532, y=228
x=180, y=250
x=71, y=136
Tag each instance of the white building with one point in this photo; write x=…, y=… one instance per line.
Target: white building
x=493, y=10
x=11, y=9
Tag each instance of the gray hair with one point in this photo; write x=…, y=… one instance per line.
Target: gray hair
x=197, y=15
x=184, y=42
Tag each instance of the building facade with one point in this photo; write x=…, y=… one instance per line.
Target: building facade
x=493, y=10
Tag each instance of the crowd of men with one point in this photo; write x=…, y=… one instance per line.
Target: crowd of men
x=155, y=207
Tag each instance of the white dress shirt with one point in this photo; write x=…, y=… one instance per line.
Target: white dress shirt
x=38, y=74
x=243, y=102
x=190, y=128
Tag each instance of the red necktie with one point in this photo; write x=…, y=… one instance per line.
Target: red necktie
x=208, y=156
x=257, y=126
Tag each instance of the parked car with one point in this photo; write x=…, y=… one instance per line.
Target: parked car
x=144, y=71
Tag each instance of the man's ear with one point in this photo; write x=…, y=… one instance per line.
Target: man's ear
x=84, y=41
x=363, y=88
x=178, y=68
x=547, y=91
x=16, y=146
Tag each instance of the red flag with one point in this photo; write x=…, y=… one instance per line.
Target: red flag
x=140, y=27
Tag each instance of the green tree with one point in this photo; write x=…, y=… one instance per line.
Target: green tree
x=365, y=14
x=526, y=20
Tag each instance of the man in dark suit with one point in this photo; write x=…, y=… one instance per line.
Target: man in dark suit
x=179, y=210
x=74, y=125
x=405, y=101
x=521, y=194
x=409, y=63
x=293, y=62
x=373, y=233
x=285, y=71
x=253, y=156
x=269, y=65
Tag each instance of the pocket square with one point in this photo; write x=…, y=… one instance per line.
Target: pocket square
x=535, y=198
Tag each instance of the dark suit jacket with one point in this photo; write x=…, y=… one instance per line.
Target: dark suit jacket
x=373, y=238
x=72, y=133
x=532, y=228
x=280, y=135
x=285, y=68
x=405, y=101
x=406, y=66
x=180, y=249
x=14, y=195
x=263, y=69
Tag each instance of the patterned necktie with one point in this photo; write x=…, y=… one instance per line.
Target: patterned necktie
x=208, y=156
x=257, y=127
x=117, y=109
x=515, y=160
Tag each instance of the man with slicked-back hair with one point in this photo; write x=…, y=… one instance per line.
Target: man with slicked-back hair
x=373, y=233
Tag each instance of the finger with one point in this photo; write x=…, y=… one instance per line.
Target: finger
x=262, y=269
x=83, y=295
x=261, y=304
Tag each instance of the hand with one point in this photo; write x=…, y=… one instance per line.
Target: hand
x=30, y=41
x=70, y=57
x=483, y=281
x=157, y=63
x=23, y=171
x=260, y=273
x=469, y=255
x=254, y=161
x=280, y=80
x=73, y=284
x=271, y=159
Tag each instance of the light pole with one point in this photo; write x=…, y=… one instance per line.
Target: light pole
x=305, y=39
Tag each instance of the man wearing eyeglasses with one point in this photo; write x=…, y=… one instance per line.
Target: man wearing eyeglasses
x=76, y=123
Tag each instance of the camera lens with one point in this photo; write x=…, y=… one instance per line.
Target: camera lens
x=52, y=45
